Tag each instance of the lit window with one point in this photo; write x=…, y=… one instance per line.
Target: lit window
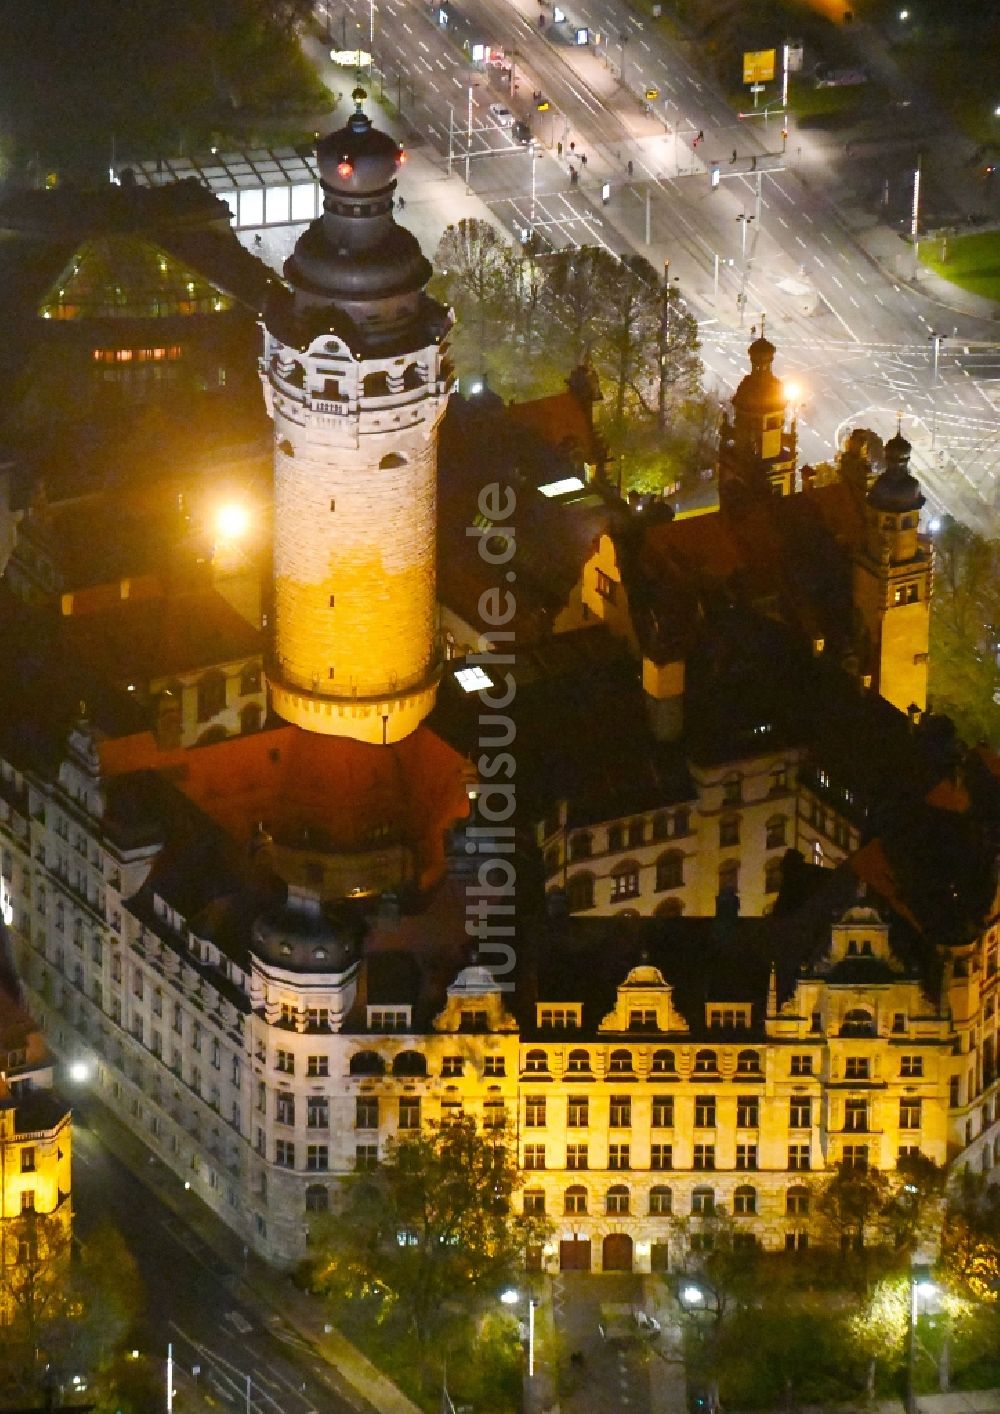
x=473, y=679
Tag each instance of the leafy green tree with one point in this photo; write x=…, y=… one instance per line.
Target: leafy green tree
x=477, y=269
x=965, y=630
x=432, y=1226
x=853, y=1201
x=915, y=1206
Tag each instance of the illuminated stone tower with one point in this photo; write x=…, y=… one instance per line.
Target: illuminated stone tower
x=757, y=451
x=356, y=384
x=892, y=584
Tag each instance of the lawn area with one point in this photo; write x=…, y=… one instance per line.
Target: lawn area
x=972, y=262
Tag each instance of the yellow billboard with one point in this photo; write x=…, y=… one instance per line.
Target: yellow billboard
x=758, y=65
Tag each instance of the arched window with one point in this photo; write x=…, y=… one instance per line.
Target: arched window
x=211, y=695
x=616, y=1203
x=636, y=833
x=367, y=1063
x=670, y=870
x=858, y=1022
x=773, y=873
x=729, y=876
x=661, y=826
x=250, y=679
x=536, y=1063
x=669, y=908
x=775, y=832
x=250, y=717
x=625, y=880
x=620, y=1063
x=580, y=892
x=682, y=821
x=748, y=1063
x=391, y=460
x=317, y=1198
x=409, y=1063
x=663, y=1063
x=576, y=1200
x=729, y=831
x=744, y=1201
x=797, y=1201
x=375, y=385
x=581, y=846
x=706, y=1063
x=661, y=1201
x=578, y=1062
x=703, y=1202
x=413, y=377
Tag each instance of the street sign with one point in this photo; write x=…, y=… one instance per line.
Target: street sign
x=758, y=65
x=757, y=88
x=794, y=55
x=652, y=94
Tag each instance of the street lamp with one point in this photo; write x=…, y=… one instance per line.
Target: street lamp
x=511, y=1297
x=744, y=221
x=920, y=1285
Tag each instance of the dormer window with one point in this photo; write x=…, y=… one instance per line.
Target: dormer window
x=728, y=1018
x=643, y=1019
x=395, y=1018
x=558, y=1018
x=473, y=1019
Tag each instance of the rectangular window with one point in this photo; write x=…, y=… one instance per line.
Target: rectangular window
x=398, y=1019
x=317, y=1157
x=577, y=1112
x=729, y=831
x=409, y=1112
x=28, y=1159
x=911, y=1067
x=284, y=1153
x=663, y=1111
x=798, y=1157
x=747, y=1111
x=621, y=1112
x=285, y=1108
x=286, y=1016
x=473, y=1021
x=856, y=1156
x=606, y=587
x=625, y=885
x=800, y=1112
x=899, y=1023
x=27, y=1200
x=577, y=1156
x=317, y=1066
x=366, y=1157
x=746, y=1156
x=534, y=1112
x=856, y=1116
x=618, y=1156
x=661, y=1156
x=494, y=1067
x=534, y=1205
x=534, y=1156
x=642, y=1019
x=317, y=1112
x=909, y=1114
x=285, y=1061
x=704, y=1156
x=704, y=1111
x=366, y=1112
x=318, y=1018
x=857, y=1068
x=452, y=1067
x=558, y=1018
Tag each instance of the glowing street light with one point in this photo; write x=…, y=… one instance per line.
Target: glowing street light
x=510, y=1297
x=232, y=521
x=692, y=1295
x=79, y=1072
x=792, y=391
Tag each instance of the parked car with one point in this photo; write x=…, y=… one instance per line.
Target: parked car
x=840, y=78
x=503, y=116
x=521, y=132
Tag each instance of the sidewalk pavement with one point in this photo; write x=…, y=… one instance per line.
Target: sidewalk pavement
x=541, y=1393
x=970, y=1401
x=256, y=1283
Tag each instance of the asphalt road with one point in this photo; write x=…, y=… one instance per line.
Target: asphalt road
x=191, y=1300
x=609, y=1376
x=859, y=341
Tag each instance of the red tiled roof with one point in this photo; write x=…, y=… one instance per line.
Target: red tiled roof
x=559, y=421
x=291, y=780
x=872, y=867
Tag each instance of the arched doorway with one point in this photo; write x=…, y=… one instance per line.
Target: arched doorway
x=574, y=1254
x=617, y=1253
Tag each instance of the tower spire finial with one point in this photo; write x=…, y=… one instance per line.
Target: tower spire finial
x=763, y=322
x=899, y=424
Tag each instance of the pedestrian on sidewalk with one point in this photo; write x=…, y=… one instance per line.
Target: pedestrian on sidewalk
x=630, y=168
x=558, y=149
x=583, y=159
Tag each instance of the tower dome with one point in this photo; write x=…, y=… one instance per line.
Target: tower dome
x=897, y=489
x=761, y=389
x=356, y=251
